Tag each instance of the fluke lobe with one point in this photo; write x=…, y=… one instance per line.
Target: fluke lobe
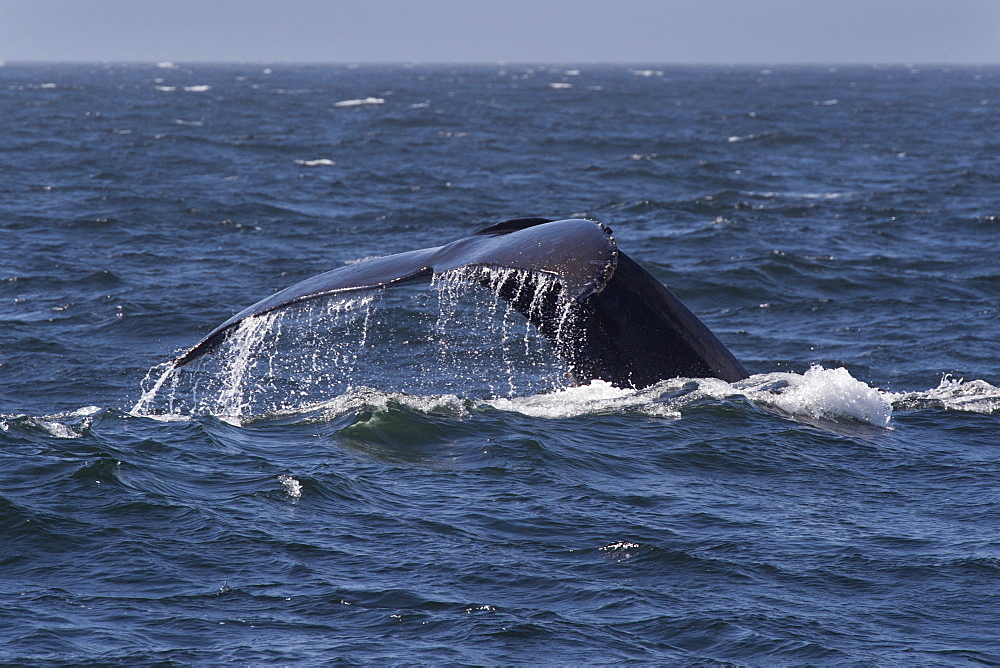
x=606, y=316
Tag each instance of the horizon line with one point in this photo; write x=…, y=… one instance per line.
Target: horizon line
x=505, y=63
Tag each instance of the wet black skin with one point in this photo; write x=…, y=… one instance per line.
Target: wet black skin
x=624, y=327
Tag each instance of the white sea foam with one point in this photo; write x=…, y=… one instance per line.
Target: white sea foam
x=598, y=396
x=818, y=394
x=319, y=162
x=647, y=73
x=560, y=86
x=200, y=88
x=366, y=398
x=974, y=396
x=166, y=65
x=163, y=417
x=166, y=89
x=359, y=102
x=821, y=394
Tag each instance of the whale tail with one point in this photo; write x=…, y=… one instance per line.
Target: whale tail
x=626, y=327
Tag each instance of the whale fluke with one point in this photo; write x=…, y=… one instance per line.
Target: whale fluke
x=627, y=328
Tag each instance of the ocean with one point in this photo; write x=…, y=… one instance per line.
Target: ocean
x=407, y=476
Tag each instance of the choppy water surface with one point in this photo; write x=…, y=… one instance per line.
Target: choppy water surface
x=408, y=476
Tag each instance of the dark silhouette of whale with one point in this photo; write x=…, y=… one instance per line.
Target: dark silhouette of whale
x=607, y=317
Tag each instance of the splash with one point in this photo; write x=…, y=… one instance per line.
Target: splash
x=291, y=486
x=151, y=385
x=266, y=364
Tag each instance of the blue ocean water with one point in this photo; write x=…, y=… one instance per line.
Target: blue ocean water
x=422, y=485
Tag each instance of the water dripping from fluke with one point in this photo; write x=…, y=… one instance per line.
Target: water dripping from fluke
x=455, y=336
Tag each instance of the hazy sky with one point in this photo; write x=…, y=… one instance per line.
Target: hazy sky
x=560, y=31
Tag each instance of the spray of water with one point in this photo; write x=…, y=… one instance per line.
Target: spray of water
x=463, y=335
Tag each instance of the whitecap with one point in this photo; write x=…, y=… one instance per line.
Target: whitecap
x=166, y=65
x=974, y=396
x=166, y=89
x=770, y=194
x=200, y=88
x=751, y=137
x=560, y=86
x=359, y=102
x=316, y=163
x=819, y=393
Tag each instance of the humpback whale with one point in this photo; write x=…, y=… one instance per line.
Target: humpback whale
x=626, y=327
